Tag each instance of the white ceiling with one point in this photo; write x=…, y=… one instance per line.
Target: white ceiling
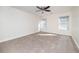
x=54, y=9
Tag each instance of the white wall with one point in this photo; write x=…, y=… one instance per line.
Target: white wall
x=75, y=25
x=1, y=34
x=16, y=23
x=53, y=23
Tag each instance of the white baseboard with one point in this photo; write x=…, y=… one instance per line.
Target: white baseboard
x=76, y=43
x=13, y=38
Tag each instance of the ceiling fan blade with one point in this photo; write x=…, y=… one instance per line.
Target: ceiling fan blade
x=48, y=10
x=47, y=7
x=39, y=8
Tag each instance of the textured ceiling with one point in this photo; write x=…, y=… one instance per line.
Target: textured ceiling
x=54, y=9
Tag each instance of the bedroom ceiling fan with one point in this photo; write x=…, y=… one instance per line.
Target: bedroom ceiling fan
x=43, y=9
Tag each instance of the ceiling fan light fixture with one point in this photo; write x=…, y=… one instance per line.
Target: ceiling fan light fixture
x=44, y=8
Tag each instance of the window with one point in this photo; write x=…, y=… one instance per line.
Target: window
x=42, y=26
x=64, y=23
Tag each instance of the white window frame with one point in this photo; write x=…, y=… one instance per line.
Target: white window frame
x=63, y=23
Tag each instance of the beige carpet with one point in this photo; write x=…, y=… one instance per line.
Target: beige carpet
x=40, y=42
